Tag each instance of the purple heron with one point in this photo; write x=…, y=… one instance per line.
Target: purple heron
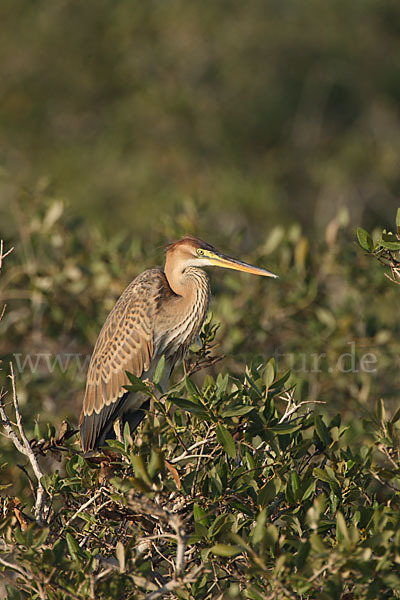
x=159, y=314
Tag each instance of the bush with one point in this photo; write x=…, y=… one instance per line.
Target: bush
x=232, y=488
x=236, y=495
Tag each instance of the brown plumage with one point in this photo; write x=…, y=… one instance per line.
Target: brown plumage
x=160, y=313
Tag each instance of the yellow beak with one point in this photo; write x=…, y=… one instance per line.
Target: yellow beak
x=220, y=260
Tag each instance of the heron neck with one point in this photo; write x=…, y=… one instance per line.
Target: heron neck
x=183, y=283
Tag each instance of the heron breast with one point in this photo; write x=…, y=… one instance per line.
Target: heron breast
x=186, y=325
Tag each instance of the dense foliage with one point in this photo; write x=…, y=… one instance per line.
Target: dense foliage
x=263, y=504
x=235, y=486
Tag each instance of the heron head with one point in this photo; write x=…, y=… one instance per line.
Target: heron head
x=191, y=251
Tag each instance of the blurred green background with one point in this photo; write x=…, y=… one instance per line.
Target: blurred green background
x=270, y=129
x=264, y=111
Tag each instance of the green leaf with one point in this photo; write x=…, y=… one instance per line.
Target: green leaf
x=271, y=535
x=322, y=430
x=389, y=241
x=226, y=440
x=398, y=220
x=140, y=468
x=303, y=554
x=341, y=528
x=225, y=550
x=116, y=445
x=19, y=536
x=235, y=411
x=38, y=431
x=41, y=538
x=73, y=546
x=156, y=463
x=191, y=387
x=128, y=440
x=136, y=384
x=279, y=383
x=395, y=417
x=284, y=428
x=122, y=484
x=159, y=372
x=127, y=483
x=269, y=491
x=221, y=384
x=380, y=411
x=295, y=481
x=320, y=474
x=269, y=373
x=331, y=473
x=333, y=482
x=259, y=530
x=200, y=515
x=364, y=239
x=200, y=532
x=308, y=490
x=219, y=524
x=191, y=407
x=251, y=381
x=317, y=543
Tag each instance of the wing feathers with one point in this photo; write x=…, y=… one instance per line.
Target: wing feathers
x=102, y=395
x=125, y=343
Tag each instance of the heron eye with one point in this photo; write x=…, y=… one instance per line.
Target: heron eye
x=200, y=252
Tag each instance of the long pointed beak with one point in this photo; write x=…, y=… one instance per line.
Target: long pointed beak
x=220, y=260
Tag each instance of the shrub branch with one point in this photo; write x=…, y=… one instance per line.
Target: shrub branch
x=23, y=446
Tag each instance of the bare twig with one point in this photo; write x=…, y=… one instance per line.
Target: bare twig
x=144, y=506
x=41, y=590
x=92, y=590
x=185, y=453
x=3, y=311
x=199, y=456
x=174, y=521
x=173, y=584
x=386, y=452
x=326, y=567
x=4, y=254
x=2, y=257
x=22, y=445
x=181, y=540
x=387, y=259
x=292, y=407
x=27, y=588
x=395, y=275
x=16, y=568
x=162, y=555
x=29, y=478
x=28, y=577
x=80, y=509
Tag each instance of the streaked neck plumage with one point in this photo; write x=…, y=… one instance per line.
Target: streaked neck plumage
x=187, y=309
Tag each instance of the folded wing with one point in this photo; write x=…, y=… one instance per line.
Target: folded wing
x=125, y=343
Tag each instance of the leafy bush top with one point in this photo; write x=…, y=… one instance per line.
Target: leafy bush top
x=233, y=488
